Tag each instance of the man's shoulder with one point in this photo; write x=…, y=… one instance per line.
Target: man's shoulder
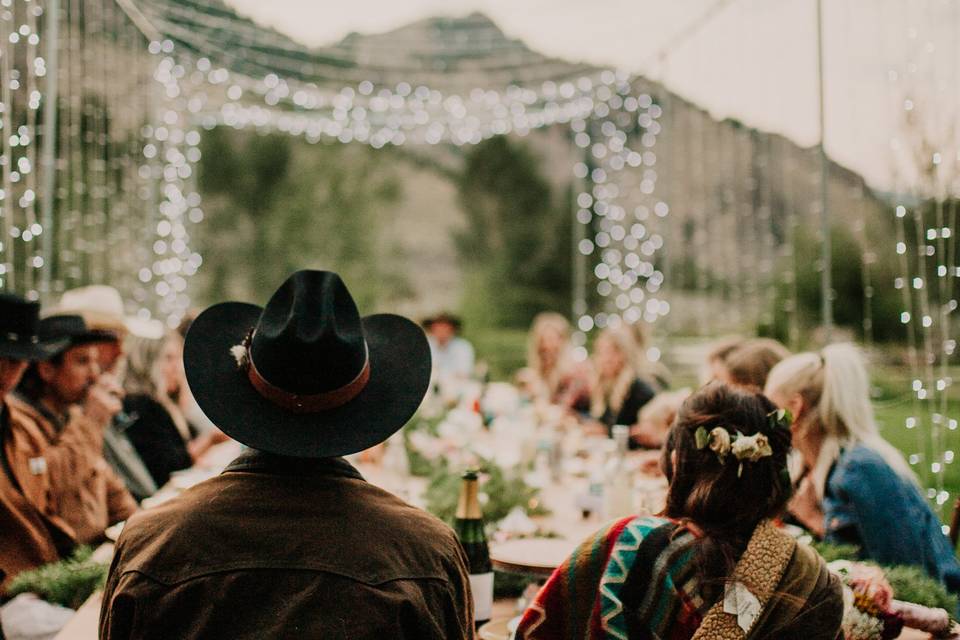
x=26, y=421
x=21, y=410
x=405, y=520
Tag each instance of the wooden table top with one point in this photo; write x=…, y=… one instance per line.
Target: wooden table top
x=536, y=557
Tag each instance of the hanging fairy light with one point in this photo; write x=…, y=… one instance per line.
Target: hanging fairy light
x=20, y=101
x=927, y=230
x=203, y=94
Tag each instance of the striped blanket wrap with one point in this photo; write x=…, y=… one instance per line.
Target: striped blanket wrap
x=637, y=579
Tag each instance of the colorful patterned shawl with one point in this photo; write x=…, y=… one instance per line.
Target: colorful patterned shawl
x=636, y=579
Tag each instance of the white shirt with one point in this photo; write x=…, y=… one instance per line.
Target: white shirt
x=455, y=359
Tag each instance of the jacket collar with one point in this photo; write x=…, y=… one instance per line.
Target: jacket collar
x=256, y=461
x=40, y=411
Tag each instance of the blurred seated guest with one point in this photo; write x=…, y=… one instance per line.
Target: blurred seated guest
x=157, y=428
x=101, y=307
x=175, y=385
x=673, y=576
x=656, y=418
x=658, y=374
x=290, y=541
x=618, y=391
x=68, y=396
x=714, y=367
x=552, y=374
x=858, y=490
x=160, y=432
x=749, y=363
x=31, y=534
x=453, y=356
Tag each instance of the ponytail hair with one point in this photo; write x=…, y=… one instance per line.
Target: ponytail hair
x=835, y=386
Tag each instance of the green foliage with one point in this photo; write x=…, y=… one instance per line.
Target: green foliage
x=504, y=491
x=912, y=584
x=276, y=204
x=881, y=235
x=830, y=552
x=509, y=585
x=419, y=464
x=504, y=350
x=516, y=245
x=68, y=582
x=847, y=275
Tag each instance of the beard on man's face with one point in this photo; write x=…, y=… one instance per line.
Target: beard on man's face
x=74, y=395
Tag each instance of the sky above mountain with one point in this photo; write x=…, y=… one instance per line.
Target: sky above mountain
x=755, y=60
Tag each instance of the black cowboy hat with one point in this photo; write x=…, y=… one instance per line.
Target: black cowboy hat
x=445, y=318
x=20, y=338
x=306, y=376
x=66, y=331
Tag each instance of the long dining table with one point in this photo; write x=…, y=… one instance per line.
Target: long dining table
x=533, y=557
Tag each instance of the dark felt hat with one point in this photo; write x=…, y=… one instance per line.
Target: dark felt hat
x=443, y=317
x=20, y=337
x=305, y=375
x=67, y=330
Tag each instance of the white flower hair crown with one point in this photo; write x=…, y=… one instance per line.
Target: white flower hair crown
x=743, y=448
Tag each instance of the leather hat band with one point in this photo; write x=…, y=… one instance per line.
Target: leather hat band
x=309, y=403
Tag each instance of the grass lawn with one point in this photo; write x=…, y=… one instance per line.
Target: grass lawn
x=893, y=406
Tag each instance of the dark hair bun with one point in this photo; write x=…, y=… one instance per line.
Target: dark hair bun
x=725, y=494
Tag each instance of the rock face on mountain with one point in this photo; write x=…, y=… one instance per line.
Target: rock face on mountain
x=448, y=54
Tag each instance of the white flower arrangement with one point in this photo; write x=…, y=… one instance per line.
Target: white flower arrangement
x=751, y=448
x=858, y=625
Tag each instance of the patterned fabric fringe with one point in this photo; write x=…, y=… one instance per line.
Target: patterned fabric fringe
x=636, y=579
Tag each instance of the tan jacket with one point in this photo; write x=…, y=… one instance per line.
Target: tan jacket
x=287, y=548
x=28, y=538
x=62, y=471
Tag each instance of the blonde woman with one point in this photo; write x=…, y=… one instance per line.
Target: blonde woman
x=158, y=429
x=551, y=373
x=618, y=392
x=858, y=489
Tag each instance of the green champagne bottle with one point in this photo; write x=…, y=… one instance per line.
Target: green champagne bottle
x=469, y=528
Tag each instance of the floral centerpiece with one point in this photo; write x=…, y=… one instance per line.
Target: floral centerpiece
x=872, y=613
x=867, y=596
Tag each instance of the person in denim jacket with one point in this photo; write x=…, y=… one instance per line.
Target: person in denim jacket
x=857, y=489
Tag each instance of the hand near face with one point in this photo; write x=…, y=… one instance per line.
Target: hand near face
x=104, y=400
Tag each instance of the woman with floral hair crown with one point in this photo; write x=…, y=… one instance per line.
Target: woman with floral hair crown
x=858, y=489
x=712, y=566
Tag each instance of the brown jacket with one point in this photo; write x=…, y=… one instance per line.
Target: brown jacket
x=28, y=538
x=62, y=472
x=287, y=548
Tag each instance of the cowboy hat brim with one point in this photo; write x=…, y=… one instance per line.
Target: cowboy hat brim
x=399, y=378
x=32, y=351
